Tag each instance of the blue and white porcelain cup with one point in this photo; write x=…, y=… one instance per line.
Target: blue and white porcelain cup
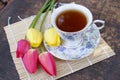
x=73, y=39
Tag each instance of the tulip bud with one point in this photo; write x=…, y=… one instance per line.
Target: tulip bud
x=22, y=47
x=30, y=60
x=34, y=36
x=51, y=37
x=48, y=63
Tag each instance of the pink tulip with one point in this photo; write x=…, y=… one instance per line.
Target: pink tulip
x=47, y=62
x=22, y=47
x=30, y=60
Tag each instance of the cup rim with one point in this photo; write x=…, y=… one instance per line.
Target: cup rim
x=62, y=8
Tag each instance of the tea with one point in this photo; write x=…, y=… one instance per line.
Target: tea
x=71, y=21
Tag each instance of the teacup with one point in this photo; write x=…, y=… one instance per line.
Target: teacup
x=73, y=38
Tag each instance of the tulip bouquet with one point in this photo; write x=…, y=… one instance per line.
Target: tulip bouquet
x=27, y=49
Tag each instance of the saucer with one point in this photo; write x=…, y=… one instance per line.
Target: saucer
x=91, y=40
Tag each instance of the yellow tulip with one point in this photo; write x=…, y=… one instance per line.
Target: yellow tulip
x=51, y=37
x=34, y=36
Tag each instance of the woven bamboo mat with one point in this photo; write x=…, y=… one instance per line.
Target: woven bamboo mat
x=16, y=31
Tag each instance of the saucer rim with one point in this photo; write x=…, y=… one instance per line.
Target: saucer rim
x=98, y=41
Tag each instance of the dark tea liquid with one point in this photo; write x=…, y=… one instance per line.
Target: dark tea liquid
x=71, y=21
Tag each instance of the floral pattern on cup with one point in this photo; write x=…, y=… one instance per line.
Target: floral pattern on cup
x=70, y=37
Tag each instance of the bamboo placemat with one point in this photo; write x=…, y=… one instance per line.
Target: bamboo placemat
x=16, y=31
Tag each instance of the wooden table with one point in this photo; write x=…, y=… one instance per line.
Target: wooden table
x=108, y=10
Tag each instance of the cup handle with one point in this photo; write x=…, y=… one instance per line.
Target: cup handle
x=99, y=21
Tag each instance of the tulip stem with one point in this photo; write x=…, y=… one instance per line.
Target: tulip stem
x=51, y=7
x=42, y=48
x=32, y=25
